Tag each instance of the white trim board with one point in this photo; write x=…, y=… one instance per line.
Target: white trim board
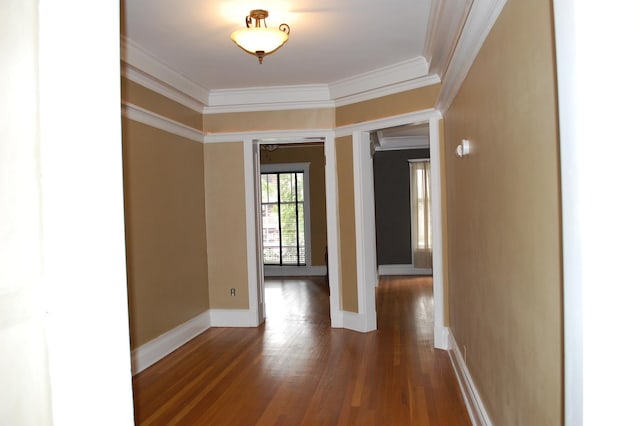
x=393, y=121
x=153, y=351
x=145, y=80
x=141, y=115
x=403, y=270
x=476, y=409
x=295, y=271
x=357, y=322
x=233, y=318
x=134, y=55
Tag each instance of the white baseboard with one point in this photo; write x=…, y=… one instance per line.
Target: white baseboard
x=402, y=270
x=156, y=349
x=356, y=322
x=153, y=351
x=295, y=271
x=441, y=338
x=476, y=409
x=233, y=318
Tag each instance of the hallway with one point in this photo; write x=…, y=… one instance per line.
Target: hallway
x=295, y=369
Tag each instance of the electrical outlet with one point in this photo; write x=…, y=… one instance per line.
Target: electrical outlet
x=233, y=292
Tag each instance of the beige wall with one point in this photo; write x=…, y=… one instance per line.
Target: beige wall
x=165, y=230
x=226, y=225
x=387, y=106
x=504, y=220
x=148, y=99
x=346, y=224
x=313, y=154
x=322, y=118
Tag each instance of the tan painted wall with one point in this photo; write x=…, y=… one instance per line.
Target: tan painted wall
x=346, y=224
x=504, y=220
x=387, y=106
x=313, y=154
x=165, y=230
x=323, y=118
x=148, y=99
x=226, y=225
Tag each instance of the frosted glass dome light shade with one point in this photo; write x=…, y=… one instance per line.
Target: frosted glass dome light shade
x=257, y=39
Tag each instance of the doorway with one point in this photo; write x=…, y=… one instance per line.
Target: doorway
x=401, y=191
x=294, y=190
x=365, y=216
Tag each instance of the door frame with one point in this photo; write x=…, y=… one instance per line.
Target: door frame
x=365, y=215
x=252, y=142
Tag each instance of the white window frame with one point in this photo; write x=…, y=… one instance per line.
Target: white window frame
x=273, y=270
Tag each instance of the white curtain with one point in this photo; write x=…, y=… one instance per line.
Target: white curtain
x=421, y=213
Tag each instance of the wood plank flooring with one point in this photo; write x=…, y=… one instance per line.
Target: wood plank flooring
x=296, y=370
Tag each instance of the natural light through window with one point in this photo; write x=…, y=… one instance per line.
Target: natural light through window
x=283, y=218
x=420, y=172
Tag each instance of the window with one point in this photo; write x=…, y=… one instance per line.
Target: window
x=421, y=213
x=284, y=214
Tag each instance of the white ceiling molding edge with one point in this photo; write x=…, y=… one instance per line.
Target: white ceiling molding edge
x=266, y=136
x=151, y=83
x=402, y=143
x=393, y=121
x=389, y=90
x=142, y=68
x=381, y=77
x=481, y=18
x=269, y=98
x=141, y=115
x=138, y=58
x=383, y=81
x=446, y=21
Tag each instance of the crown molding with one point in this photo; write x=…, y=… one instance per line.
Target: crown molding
x=446, y=21
x=382, y=77
x=280, y=106
x=389, y=90
x=481, y=18
x=141, y=115
x=141, y=67
x=142, y=60
x=151, y=83
x=269, y=98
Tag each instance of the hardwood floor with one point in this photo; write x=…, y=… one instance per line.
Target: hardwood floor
x=296, y=370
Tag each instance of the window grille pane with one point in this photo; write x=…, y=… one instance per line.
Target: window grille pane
x=286, y=192
x=283, y=218
x=300, y=185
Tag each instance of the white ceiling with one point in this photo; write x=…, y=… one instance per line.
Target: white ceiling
x=330, y=40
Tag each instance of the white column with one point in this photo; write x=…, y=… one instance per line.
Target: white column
x=597, y=48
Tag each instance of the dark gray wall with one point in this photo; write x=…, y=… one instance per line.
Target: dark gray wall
x=393, y=204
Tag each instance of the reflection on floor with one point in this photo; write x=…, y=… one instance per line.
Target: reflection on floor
x=296, y=370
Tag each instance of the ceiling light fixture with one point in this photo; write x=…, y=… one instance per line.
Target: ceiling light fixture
x=257, y=39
